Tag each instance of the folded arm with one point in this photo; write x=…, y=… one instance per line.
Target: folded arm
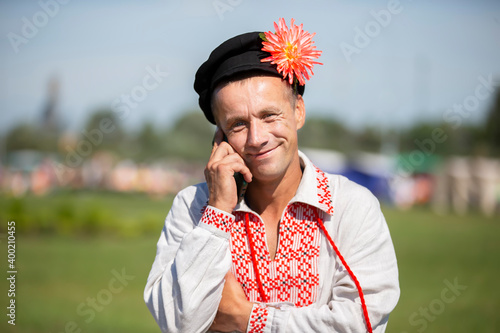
x=186, y=281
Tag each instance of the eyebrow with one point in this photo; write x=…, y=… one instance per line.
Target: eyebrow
x=230, y=121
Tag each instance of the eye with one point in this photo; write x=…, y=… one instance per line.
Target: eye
x=269, y=116
x=237, y=125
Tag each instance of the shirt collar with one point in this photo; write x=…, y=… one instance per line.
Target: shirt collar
x=314, y=188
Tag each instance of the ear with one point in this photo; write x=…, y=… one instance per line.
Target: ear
x=300, y=112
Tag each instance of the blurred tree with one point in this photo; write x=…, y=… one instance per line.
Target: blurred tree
x=22, y=136
x=369, y=139
x=148, y=141
x=417, y=135
x=27, y=136
x=442, y=139
x=190, y=138
x=325, y=133
x=105, y=132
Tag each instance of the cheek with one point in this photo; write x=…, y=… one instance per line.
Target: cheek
x=237, y=141
x=283, y=129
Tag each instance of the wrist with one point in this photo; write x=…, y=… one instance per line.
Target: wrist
x=221, y=206
x=245, y=313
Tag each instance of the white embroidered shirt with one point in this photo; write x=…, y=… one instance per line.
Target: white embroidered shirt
x=306, y=287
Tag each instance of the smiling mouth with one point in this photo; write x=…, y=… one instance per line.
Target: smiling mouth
x=263, y=154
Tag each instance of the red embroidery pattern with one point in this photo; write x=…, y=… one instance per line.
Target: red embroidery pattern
x=293, y=274
x=217, y=218
x=258, y=319
x=324, y=194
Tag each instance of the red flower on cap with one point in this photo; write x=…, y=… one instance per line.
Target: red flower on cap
x=292, y=50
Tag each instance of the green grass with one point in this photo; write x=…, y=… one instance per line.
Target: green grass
x=58, y=272
x=85, y=212
x=431, y=249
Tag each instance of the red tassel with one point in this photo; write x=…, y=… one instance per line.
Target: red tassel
x=353, y=277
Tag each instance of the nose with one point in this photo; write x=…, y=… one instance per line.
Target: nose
x=257, y=135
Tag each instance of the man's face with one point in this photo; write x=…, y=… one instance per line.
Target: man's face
x=260, y=121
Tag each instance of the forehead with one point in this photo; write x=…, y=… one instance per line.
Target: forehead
x=250, y=94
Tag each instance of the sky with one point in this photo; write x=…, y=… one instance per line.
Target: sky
x=385, y=63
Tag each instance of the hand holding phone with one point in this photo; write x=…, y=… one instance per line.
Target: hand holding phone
x=241, y=184
x=227, y=175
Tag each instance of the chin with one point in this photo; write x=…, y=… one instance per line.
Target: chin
x=271, y=168
x=267, y=173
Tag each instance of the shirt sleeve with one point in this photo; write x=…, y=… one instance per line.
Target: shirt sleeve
x=185, y=284
x=362, y=236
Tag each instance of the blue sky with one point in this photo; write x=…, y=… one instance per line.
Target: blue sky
x=427, y=57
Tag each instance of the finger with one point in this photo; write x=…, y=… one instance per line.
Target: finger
x=221, y=150
x=236, y=166
x=245, y=171
x=222, y=155
x=218, y=138
x=229, y=159
x=236, y=163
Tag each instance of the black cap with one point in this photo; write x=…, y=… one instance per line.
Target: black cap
x=242, y=53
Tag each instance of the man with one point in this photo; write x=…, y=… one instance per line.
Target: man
x=269, y=260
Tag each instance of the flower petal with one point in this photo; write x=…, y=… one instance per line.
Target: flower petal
x=292, y=50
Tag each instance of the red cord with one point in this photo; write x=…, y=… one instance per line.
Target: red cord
x=263, y=295
x=356, y=282
x=327, y=235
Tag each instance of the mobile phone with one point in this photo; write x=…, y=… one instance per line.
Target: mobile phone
x=241, y=184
